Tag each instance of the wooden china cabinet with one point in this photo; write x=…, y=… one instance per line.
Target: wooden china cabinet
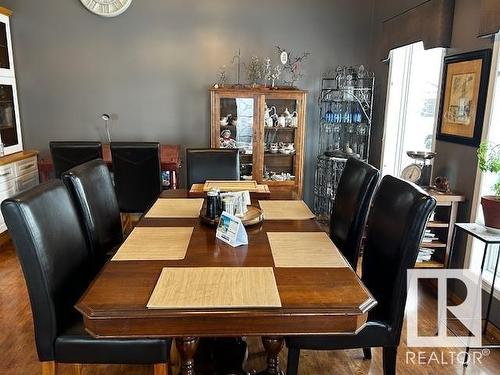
x=268, y=127
x=18, y=168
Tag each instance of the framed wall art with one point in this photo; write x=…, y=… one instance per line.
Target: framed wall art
x=463, y=97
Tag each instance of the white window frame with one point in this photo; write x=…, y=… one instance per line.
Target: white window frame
x=404, y=102
x=476, y=198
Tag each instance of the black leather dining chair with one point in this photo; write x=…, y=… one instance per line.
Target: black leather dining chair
x=137, y=174
x=211, y=164
x=68, y=154
x=50, y=243
x=395, y=228
x=352, y=204
x=91, y=187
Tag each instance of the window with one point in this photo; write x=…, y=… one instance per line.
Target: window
x=412, y=103
x=491, y=133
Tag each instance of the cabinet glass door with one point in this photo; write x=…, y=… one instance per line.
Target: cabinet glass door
x=236, y=130
x=4, y=47
x=6, y=62
x=281, y=126
x=10, y=134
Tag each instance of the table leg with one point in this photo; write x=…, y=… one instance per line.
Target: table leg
x=187, y=347
x=488, y=310
x=452, y=246
x=481, y=273
x=273, y=346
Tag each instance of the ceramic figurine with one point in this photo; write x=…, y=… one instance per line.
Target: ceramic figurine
x=442, y=184
x=288, y=117
x=273, y=148
x=225, y=140
x=268, y=117
x=282, y=121
x=225, y=120
x=295, y=120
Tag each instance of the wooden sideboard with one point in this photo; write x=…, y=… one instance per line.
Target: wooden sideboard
x=18, y=172
x=169, y=157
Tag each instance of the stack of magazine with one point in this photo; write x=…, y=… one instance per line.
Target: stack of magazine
x=425, y=253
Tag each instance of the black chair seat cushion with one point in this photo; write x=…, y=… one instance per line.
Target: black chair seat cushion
x=374, y=334
x=75, y=345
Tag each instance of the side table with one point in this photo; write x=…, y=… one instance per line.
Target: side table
x=481, y=233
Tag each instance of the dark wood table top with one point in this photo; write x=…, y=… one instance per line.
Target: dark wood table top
x=314, y=300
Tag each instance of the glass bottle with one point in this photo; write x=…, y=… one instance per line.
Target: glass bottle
x=347, y=118
x=357, y=115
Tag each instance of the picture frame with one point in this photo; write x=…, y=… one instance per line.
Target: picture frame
x=464, y=89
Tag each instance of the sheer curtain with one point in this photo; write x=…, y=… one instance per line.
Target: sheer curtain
x=412, y=102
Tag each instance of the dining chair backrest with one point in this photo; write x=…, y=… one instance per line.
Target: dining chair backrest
x=91, y=187
x=69, y=154
x=352, y=204
x=396, y=226
x=211, y=164
x=137, y=174
x=50, y=243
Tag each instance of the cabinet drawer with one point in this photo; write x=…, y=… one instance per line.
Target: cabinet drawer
x=8, y=185
x=26, y=166
x=27, y=181
x=7, y=172
x=8, y=193
x=4, y=194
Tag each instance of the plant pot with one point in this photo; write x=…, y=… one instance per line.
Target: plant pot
x=491, y=211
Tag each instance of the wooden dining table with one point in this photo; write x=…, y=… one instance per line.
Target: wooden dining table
x=326, y=301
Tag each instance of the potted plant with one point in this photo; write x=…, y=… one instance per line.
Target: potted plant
x=489, y=161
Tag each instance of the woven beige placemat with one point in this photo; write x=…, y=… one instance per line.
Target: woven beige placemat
x=200, y=188
x=155, y=243
x=230, y=185
x=176, y=208
x=304, y=250
x=215, y=287
x=285, y=210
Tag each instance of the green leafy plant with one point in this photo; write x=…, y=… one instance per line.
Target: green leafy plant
x=488, y=155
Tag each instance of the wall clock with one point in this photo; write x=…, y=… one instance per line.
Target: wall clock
x=107, y=8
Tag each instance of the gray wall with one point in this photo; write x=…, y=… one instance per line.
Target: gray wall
x=457, y=161
x=151, y=67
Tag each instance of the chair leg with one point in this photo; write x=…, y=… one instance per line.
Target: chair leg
x=292, y=363
x=390, y=354
x=174, y=356
x=367, y=352
x=49, y=368
x=161, y=369
x=77, y=369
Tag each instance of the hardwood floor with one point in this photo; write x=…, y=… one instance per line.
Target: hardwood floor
x=18, y=353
